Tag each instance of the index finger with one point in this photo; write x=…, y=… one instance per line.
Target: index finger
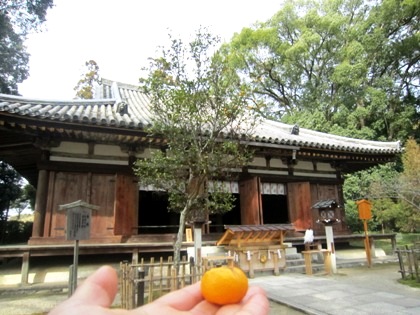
x=183, y=299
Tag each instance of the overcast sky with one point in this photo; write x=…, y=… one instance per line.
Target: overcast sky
x=121, y=34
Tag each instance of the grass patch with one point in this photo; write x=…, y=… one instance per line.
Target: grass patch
x=409, y=239
x=403, y=239
x=386, y=245
x=410, y=282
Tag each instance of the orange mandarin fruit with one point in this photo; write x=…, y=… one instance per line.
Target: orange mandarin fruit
x=224, y=285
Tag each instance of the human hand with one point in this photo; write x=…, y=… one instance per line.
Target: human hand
x=97, y=293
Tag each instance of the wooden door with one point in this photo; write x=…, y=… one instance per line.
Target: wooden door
x=96, y=189
x=299, y=201
x=102, y=195
x=65, y=188
x=250, y=199
x=126, y=204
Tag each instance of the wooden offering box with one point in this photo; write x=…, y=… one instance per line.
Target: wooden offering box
x=257, y=247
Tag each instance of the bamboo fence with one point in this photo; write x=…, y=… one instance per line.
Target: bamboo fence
x=145, y=281
x=409, y=262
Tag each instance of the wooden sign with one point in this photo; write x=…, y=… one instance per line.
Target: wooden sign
x=189, y=237
x=79, y=217
x=78, y=223
x=364, y=207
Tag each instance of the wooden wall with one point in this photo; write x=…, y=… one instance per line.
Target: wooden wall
x=115, y=194
x=323, y=192
x=299, y=204
x=250, y=200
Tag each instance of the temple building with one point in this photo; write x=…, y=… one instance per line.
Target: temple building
x=84, y=150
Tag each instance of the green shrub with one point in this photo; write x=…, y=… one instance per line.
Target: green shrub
x=14, y=232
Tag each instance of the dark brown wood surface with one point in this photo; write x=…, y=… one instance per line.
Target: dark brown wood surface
x=299, y=203
x=250, y=200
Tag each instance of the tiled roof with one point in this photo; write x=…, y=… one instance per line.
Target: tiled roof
x=123, y=106
x=279, y=133
x=324, y=204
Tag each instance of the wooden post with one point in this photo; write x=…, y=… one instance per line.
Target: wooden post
x=409, y=261
x=123, y=269
x=364, y=207
x=330, y=246
x=308, y=262
x=70, y=283
x=394, y=243
x=416, y=264
x=276, y=264
x=78, y=215
x=135, y=256
x=401, y=261
x=197, y=241
x=151, y=279
x=25, y=268
x=140, y=287
x=367, y=245
x=73, y=285
x=40, y=204
x=327, y=261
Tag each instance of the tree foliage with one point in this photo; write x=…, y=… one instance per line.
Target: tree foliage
x=85, y=87
x=17, y=19
x=395, y=194
x=25, y=200
x=199, y=107
x=10, y=190
x=349, y=67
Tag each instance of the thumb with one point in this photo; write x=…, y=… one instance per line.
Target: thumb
x=99, y=289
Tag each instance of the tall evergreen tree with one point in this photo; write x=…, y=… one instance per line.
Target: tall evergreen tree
x=349, y=67
x=17, y=19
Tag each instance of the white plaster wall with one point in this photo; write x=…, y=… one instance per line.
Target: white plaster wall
x=324, y=167
x=277, y=163
x=304, y=165
x=72, y=147
x=258, y=161
x=108, y=150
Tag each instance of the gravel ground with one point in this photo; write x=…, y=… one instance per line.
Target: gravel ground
x=40, y=302
x=39, y=299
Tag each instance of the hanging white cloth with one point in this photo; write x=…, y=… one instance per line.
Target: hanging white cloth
x=309, y=236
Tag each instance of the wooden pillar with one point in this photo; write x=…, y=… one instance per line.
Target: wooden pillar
x=329, y=234
x=25, y=268
x=250, y=199
x=40, y=204
x=197, y=226
x=394, y=243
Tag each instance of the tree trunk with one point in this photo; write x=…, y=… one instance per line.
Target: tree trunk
x=194, y=187
x=180, y=235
